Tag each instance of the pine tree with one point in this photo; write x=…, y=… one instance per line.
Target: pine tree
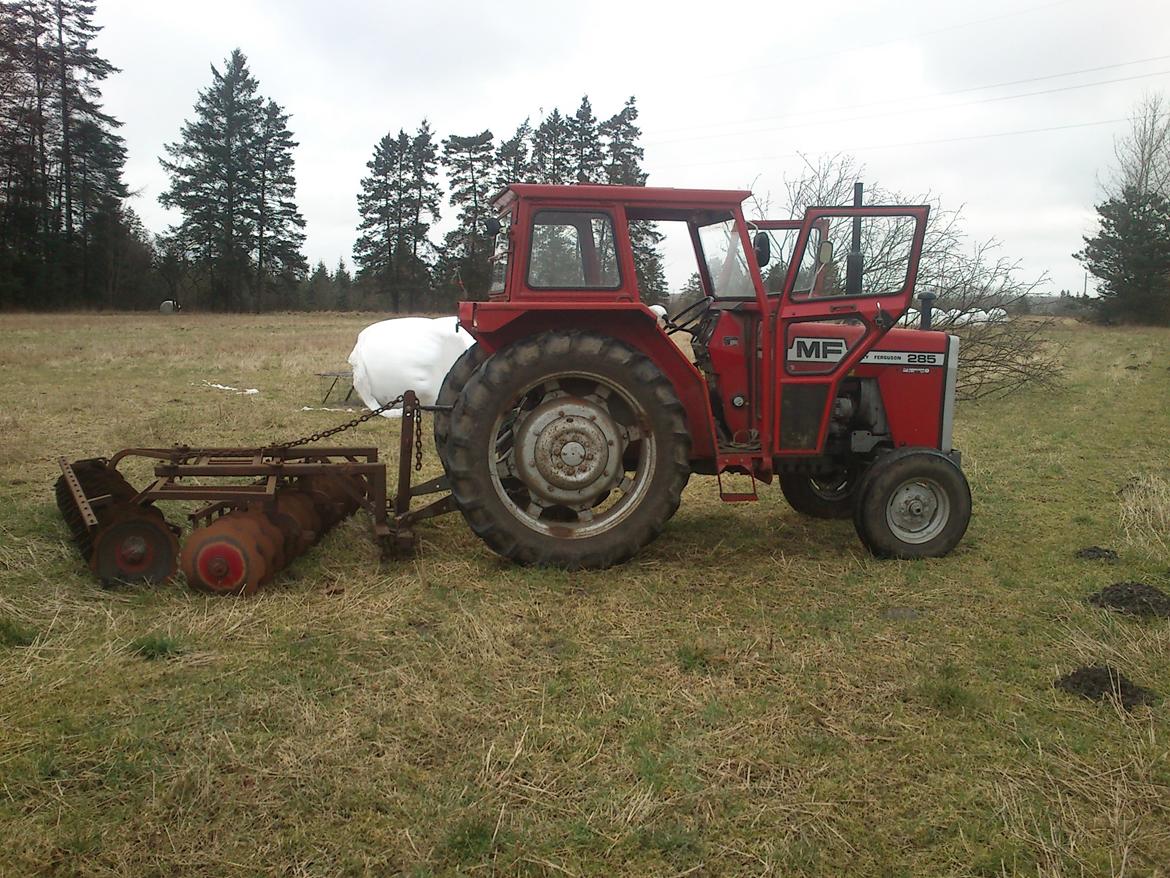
x=343, y=284
x=552, y=161
x=385, y=207
x=470, y=163
x=623, y=166
x=514, y=159
x=232, y=178
x=690, y=293
x=78, y=70
x=317, y=290
x=214, y=179
x=1130, y=256
x=425, y=195
x=584, y=144
x=279, y=224
x=623, y=156
x=398, y=203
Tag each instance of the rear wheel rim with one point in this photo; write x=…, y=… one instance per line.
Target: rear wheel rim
x=832, y=487
x=573, y=456
x=918, y=510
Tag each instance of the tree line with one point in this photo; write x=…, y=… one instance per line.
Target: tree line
x=68, y=238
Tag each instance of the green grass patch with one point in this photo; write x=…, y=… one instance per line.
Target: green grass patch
x=155, y=646
x=13, y=634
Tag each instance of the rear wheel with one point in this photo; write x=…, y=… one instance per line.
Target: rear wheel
x=913, y=503
x=830, y=495
x=453, y=384
x=568, y=449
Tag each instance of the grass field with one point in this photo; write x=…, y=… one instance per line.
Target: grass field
x=752, y=695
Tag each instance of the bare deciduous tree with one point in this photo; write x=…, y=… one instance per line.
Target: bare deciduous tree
x=1143, y=153
x=977, y=287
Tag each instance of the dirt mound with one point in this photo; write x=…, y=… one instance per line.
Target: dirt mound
x=1100, y=682
x=1096, y=553
x=1133, y=597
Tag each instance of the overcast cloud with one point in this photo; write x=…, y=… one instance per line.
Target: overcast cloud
x=729, y=94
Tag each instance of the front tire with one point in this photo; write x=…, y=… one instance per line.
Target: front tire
x=913, y=503
x=568, y=449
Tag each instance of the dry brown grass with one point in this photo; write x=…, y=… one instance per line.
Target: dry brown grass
x=737, y=700
x=1145, y=513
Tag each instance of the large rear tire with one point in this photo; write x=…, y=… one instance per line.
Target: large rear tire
x=568, y=449
x=453, y=384
x=913, y=503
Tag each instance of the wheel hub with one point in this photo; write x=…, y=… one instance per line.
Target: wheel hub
x=917, y=511
x=134, y=549
x=568, y=451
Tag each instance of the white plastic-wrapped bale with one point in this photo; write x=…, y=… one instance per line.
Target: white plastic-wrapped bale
x=406, y=353
x=977, y=318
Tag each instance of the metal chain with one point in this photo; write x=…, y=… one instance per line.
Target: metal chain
x=361, y=419
x=340, y=428
x=418, y=440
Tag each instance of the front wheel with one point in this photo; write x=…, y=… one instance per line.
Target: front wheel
x=913, y=503
x=568, y=449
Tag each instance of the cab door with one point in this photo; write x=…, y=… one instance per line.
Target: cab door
x=851, y=278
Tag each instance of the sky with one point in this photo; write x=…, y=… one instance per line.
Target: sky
x=1007, y=110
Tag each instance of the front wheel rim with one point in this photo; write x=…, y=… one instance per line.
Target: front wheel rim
x=918, y=510
x=573, y=455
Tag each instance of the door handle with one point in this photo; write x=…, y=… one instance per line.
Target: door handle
x=838, y=309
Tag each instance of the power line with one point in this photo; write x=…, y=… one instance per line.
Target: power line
x=884, y=115
x=941, y=94
x=820, y=56
x=933, y=142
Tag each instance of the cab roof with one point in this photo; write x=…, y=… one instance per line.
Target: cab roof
x=660, y=196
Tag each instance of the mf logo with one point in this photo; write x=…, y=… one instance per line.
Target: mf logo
x=816, y=350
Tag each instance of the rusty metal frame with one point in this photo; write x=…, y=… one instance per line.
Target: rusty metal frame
x=265, y=468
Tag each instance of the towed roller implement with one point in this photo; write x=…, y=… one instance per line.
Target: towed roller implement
x=260, y=508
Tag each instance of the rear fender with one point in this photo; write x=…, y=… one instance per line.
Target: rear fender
x=498, y=324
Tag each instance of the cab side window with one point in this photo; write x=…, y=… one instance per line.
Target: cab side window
x=573, y=250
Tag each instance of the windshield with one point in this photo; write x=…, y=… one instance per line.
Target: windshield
x=726, y=265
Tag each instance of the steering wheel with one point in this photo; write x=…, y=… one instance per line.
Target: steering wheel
x=691, y=314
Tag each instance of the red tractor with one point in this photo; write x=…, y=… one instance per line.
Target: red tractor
x=569, y=431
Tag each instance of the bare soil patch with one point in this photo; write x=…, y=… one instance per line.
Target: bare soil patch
x=1097, y=553
x=1137, y=598
x=1101, y=682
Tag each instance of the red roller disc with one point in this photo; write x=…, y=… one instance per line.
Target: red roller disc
x=223, y=559
x=134, y=546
